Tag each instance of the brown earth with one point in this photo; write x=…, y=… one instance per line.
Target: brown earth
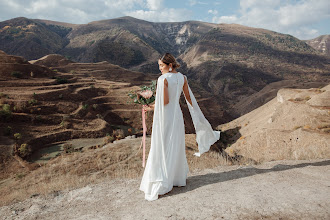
x=51, y=60
x=294, y=125
x=287, y=190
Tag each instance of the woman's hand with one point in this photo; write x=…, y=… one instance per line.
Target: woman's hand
x=148, y=107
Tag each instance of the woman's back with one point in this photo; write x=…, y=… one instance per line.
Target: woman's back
x=175, y=84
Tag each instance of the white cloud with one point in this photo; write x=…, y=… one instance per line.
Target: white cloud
x=84, y=11
x=225, y=19
x=194, y=2
x=213, y=12
x=167, y=15
x=154, y=5
x=285, y=16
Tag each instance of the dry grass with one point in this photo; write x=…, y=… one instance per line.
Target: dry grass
x=78, y=169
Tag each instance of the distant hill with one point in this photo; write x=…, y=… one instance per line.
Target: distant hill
x=15, y=67
x=234, y=61
x=230, y=62
x=31, y=39
x=321, y=44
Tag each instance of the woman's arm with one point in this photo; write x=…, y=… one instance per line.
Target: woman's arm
x=186, y=91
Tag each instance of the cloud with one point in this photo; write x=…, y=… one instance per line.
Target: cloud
x=194, y=2
x=154, y=5
x=84, y=11
x=167, y=15
x=285, y=16
x=214, y=12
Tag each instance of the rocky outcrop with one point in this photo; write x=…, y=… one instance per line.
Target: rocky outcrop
x=294, y=125
x=321, y=44
x=52, y=60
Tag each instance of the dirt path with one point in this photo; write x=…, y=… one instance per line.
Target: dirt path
x=274, y=190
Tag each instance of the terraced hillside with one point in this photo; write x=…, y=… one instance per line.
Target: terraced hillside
x=74, y=101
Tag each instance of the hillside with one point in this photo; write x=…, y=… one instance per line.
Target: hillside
x=294, y=125
x=31, y=39
x=321, y=44
x=68, y=100
x=233, y=62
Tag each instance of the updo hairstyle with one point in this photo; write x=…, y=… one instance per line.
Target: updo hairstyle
x=168, y=58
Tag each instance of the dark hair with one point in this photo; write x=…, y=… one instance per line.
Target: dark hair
x=168, y=58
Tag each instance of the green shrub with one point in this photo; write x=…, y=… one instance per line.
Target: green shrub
x=5, y=112
x=16, y=74
x=24, y=150
x=7, y=131
x=68, y=148
x=38, y=118
x=33, y=102
x=60, y=80
x=20, y=175
x=85, y=106
x=17, y=136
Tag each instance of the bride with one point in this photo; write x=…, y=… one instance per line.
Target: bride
x=167, y=163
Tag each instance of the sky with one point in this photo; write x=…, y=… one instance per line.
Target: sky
x=304, y=19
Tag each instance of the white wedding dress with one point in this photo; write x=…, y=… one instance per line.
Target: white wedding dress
x=167, y=163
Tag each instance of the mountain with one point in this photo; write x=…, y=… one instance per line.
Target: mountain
x=321, y=44
x=31, y=39
x=226, y=62
x=234, y=61
x=130, y=42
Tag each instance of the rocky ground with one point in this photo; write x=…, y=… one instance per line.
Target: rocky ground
x=273, y=190
x=294, y=125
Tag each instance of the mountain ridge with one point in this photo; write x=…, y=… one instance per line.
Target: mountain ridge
x=228, y=61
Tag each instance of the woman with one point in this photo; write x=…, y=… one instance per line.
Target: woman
x=167, y=163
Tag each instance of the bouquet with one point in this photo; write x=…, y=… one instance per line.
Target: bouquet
x=145, y=96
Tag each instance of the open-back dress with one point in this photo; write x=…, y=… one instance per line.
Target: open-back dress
x=167, y=163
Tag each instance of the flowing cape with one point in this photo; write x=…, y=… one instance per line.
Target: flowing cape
x=205, y=135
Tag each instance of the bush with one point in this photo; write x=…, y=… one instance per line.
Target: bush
x=17, y=136
x=33, y=102
x=108, y=139
x=7, y=131
x=24, y=150
x=68, y=148
x=5, y=112
x=16, y=74
x=85, y=106
x=60, y=80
